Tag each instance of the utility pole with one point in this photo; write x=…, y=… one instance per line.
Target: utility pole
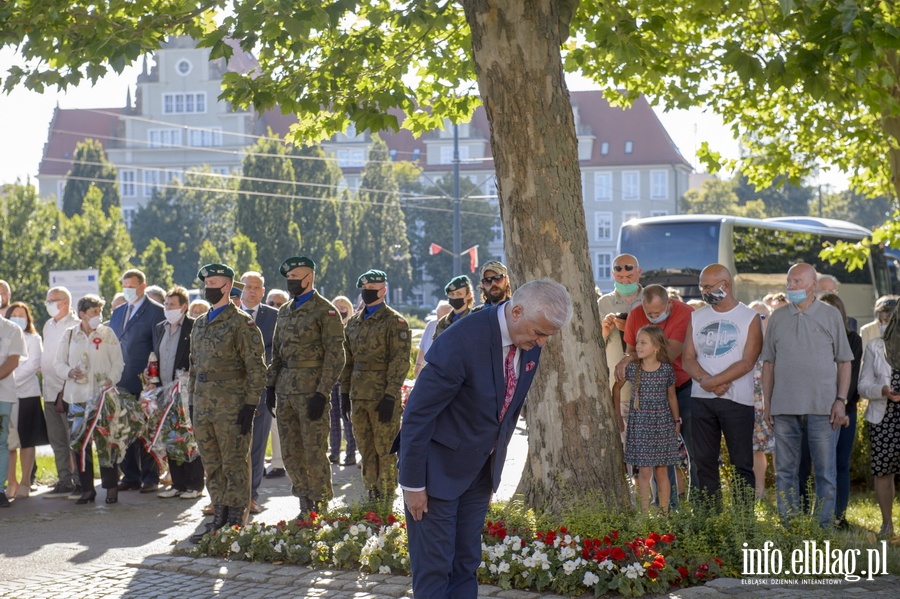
x=457, y=233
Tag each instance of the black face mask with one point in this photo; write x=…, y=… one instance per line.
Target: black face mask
x=369, y=296
x=296, y=287
x=214, y=294
x=457, y=302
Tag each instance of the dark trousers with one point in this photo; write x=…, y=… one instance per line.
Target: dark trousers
x=138, y=466
x=337, y=420
x=712, y=418
x=445, y=545
x=187, y=476
x=262, y=424
x=683, y=395
x=109, y=475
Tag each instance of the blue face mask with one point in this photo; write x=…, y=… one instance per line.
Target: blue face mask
x=659, y=318
x=130, y=294
x=796, y=296
x=626, y=288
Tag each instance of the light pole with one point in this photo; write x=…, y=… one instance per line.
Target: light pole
x=457, y=233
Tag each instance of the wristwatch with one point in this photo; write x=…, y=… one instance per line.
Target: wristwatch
x=841, y=399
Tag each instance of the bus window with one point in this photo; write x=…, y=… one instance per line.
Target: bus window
x=666, y=251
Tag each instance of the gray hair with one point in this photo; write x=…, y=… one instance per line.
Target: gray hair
x=90, y=301
x=62, y=290
x=831, y=278
x=157, y=293
x=255, y=275
x=546, y=297
x=279, y=293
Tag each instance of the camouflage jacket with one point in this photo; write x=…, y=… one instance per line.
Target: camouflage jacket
x=308, y=348
x=227, y=357
x=444, y=322
x=377, y=351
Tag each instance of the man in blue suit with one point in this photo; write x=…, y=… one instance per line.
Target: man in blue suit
x=265, y=316
x=133, y=324
x=456, y=427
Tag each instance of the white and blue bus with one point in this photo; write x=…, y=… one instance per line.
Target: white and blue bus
x=672, y=250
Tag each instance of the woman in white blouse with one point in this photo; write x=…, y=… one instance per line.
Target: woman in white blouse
x=90, y=358
x=30, y=424
x=881, y=384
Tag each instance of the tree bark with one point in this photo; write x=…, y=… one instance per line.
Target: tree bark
x=574, y=450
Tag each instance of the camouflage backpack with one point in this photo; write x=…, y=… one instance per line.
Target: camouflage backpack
x=891, y=338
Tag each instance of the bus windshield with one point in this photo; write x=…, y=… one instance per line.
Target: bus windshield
x=672, y=254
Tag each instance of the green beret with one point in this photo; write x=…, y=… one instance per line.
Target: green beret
x=215, y=270
x=458, y=283
x=371, y=276
x=495, y=266
x=295, y=262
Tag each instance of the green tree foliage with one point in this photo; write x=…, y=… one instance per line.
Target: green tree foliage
x=208, y=254
x=855, y=208
x=318, y=213
x=243, y=255
x=110, y=282
x=380, y=240
x=155, y=264
x=719, y=197
x=90, y=168
x=432, y=221
x=266, y=205
x=29, y=244
x=186, y=214
x=94, y=239
x=783, y=198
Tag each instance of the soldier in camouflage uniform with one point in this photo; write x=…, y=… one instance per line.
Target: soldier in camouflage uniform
x=307, y=358
x=460, y=296
x=376, y=346
x=227, y=376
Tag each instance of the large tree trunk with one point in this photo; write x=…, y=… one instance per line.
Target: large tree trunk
x=574, y=449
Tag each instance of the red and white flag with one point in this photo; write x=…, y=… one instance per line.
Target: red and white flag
x=435, y=249
x=473, y=257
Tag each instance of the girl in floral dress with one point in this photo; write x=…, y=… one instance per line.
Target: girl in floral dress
x=651, y=441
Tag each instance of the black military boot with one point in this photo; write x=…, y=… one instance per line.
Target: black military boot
x=306, y=506
x=220, y=519
x=237, y=516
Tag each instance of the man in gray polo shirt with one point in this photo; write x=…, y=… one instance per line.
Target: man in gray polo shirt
x=806, y=376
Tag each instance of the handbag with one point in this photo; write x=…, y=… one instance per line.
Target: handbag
x=59, y=406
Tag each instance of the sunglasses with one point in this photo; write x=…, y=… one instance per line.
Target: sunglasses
x=493, y=279
x=625, y=267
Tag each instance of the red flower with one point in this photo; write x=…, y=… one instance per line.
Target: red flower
x=660, y=562
x=682, y=572
x=563, y=530
x=607, y=541
x=652, y=573
x=617, y=553
x=718, y=561
x=615, y=534
x=391, y=519
x=650, y=543
x=704, y=567
x=373, y=517
x=667, y=538
x=601, y=555
x=653, y=537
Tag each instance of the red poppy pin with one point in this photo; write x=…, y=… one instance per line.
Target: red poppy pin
x=530, y=366
x=97, y=341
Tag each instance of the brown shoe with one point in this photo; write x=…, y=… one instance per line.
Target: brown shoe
x=255, y=508
x=209, y=509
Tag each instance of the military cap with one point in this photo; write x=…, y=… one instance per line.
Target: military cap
x=371, y=276
x=215, y=270
x=494, y=265
x=457, y=283
x=295, y=262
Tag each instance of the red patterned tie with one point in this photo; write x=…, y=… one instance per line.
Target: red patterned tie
x=510, y=367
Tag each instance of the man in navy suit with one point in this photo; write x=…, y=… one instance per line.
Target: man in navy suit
x=133, y=324
x=456, y=427
x=265, y=317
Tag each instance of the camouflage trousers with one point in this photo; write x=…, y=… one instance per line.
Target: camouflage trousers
x=304, y=448
x=374, y=439
x=225, y=452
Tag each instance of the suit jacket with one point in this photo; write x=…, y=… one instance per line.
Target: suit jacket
x=136, y=339
x=451, y=422
x=182, y=350
x=265, y=318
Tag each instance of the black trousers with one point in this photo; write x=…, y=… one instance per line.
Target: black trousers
x=109, y=475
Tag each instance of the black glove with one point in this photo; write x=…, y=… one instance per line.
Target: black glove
x=245, y=418
x=270, y=400
x=386, y=409
x=345, y=405
x=315, y=406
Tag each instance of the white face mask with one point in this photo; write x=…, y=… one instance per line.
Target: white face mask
x=94, y=322
x=19, y=320
x=130, y=294
x=52, y=308
x=173, y=316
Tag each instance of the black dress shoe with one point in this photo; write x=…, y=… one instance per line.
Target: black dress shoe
x=112, y=495
x=127, y=486
x=149, y=487
x=276, y=473
x=88, y=497
x=334, y=459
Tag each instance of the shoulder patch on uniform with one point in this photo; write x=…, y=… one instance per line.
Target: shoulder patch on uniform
x=332, y=313
x=403, y=335
x=251, y=323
